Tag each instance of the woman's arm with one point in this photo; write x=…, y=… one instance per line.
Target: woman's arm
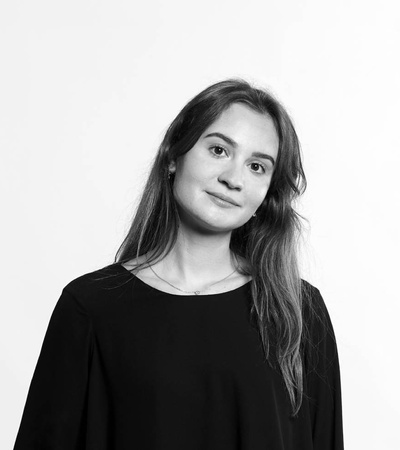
x=54, y=413
x=322, y=375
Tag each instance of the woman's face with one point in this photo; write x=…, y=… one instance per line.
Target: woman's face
x=222, y=180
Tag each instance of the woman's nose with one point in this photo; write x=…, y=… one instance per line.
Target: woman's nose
x=232, y=177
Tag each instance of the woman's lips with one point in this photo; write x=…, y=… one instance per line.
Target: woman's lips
x=222, y=200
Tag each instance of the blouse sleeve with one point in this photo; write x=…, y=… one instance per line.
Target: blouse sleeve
x=322, y=378
x=54, y=413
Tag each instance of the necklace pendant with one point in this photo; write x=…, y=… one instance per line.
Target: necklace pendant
x=197, y=292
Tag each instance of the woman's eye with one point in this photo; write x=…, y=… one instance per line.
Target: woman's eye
x=217, y=150
x=256, y=167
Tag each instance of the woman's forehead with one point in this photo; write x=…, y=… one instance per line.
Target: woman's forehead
x=243, y=125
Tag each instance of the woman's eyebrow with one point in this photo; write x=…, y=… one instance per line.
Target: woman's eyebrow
x=263, y=156
x=225, y=138
x=234, y=144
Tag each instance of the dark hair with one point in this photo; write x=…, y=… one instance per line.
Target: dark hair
x=267, y=242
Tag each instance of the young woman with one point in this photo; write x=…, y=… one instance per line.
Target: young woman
x=201, y=334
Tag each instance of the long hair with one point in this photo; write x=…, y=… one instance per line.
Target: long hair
x=268, y=242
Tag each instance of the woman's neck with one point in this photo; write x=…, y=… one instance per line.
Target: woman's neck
x=198, y=258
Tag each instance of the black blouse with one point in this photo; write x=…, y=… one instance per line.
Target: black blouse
x=125, y=366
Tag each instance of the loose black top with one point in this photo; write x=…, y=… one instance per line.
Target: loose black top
x=125, y=366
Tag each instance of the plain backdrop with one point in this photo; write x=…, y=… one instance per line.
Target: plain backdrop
x=87, y=89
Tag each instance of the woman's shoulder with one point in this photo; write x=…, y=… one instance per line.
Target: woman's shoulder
x=313, y=304
x=99, y=284
x=318, y=334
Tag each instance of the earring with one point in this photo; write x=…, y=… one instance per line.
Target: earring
x=254, y=215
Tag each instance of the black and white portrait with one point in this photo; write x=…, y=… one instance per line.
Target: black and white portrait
x=200, y=225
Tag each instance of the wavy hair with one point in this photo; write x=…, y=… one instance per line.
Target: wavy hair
x=267, y=242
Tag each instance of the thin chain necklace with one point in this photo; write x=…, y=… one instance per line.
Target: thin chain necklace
x=191, y=292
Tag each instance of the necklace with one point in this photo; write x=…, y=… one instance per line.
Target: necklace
x=191, y=292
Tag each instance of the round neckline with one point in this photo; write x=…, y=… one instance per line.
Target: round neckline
x=148, y=286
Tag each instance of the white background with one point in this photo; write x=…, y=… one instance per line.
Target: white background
x=87, y=89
